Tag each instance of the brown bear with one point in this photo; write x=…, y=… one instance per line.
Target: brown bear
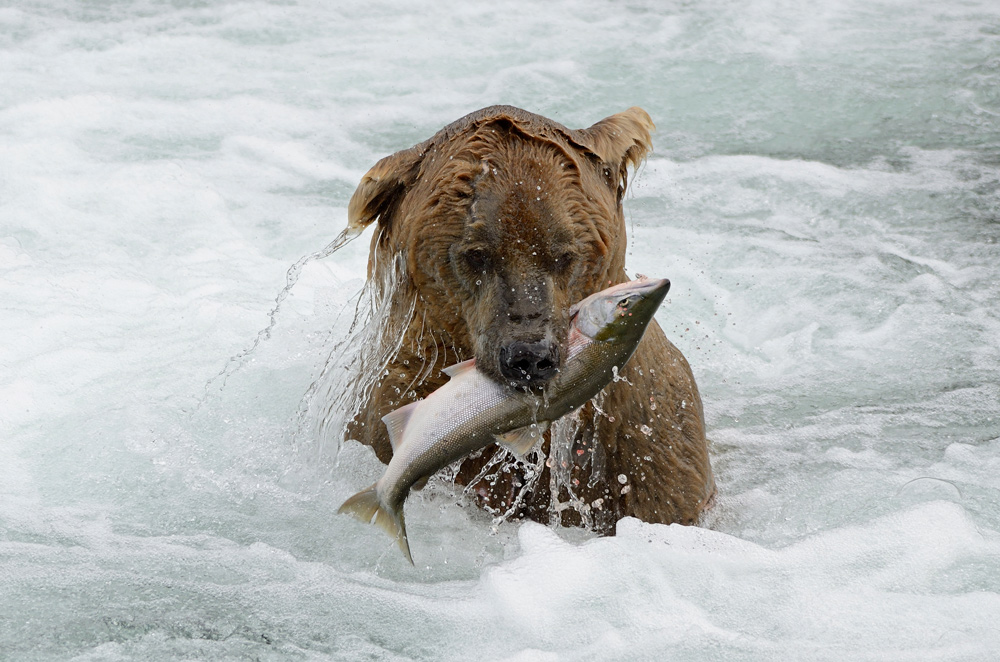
x=487, y=233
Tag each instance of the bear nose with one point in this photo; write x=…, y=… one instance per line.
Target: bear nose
x=529, y=362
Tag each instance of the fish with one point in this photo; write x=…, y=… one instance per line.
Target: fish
x=472, y=411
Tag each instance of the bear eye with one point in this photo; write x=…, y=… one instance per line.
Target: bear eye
x=563, y=262
x=477, y=259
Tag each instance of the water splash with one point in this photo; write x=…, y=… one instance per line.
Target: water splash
x=532, y=467
x=560, y=463
x=237, y=361
x=357, y=362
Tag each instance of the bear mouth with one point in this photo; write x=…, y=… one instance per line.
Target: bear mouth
x=527, y=364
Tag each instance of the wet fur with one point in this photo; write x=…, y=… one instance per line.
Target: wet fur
x=531, y=210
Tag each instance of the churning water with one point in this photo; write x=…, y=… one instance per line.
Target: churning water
x=824, y=195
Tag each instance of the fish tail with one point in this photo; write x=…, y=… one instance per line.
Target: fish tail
x=366, y=506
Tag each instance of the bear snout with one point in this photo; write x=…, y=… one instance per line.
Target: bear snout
x=529, y=363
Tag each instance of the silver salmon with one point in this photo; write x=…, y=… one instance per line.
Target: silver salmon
x=472, y=411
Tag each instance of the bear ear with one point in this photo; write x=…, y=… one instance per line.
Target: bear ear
x=382, y=188
x=619, y=141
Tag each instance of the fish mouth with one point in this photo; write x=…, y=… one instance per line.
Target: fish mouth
x=655, y=289
x=650, y=293
x=637, y=303
x=652, y=289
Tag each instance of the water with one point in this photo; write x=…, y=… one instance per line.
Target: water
x=823, y=196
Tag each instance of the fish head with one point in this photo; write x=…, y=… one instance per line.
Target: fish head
x=621, y=312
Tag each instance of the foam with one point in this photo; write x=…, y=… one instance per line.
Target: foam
x=822, y=197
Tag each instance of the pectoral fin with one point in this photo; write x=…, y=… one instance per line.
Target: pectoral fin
x=576, y=342
x=522, y=440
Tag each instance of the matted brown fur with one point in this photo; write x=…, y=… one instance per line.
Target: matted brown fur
x=504, y=219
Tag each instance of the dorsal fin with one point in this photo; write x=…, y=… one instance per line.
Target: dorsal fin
x=395, y=422
x=459, y=368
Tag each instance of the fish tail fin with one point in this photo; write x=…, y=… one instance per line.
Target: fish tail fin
x=366, y=506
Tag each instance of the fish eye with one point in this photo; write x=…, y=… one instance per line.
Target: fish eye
x=563, y=261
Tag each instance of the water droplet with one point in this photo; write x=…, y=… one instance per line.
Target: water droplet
x=622, y=478
x=646, y=430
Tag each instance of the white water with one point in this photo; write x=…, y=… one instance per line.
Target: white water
x=824, y=197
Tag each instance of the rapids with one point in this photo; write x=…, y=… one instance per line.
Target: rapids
x=824, y=196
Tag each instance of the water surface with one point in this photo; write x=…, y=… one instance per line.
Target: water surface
x=823, y=196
